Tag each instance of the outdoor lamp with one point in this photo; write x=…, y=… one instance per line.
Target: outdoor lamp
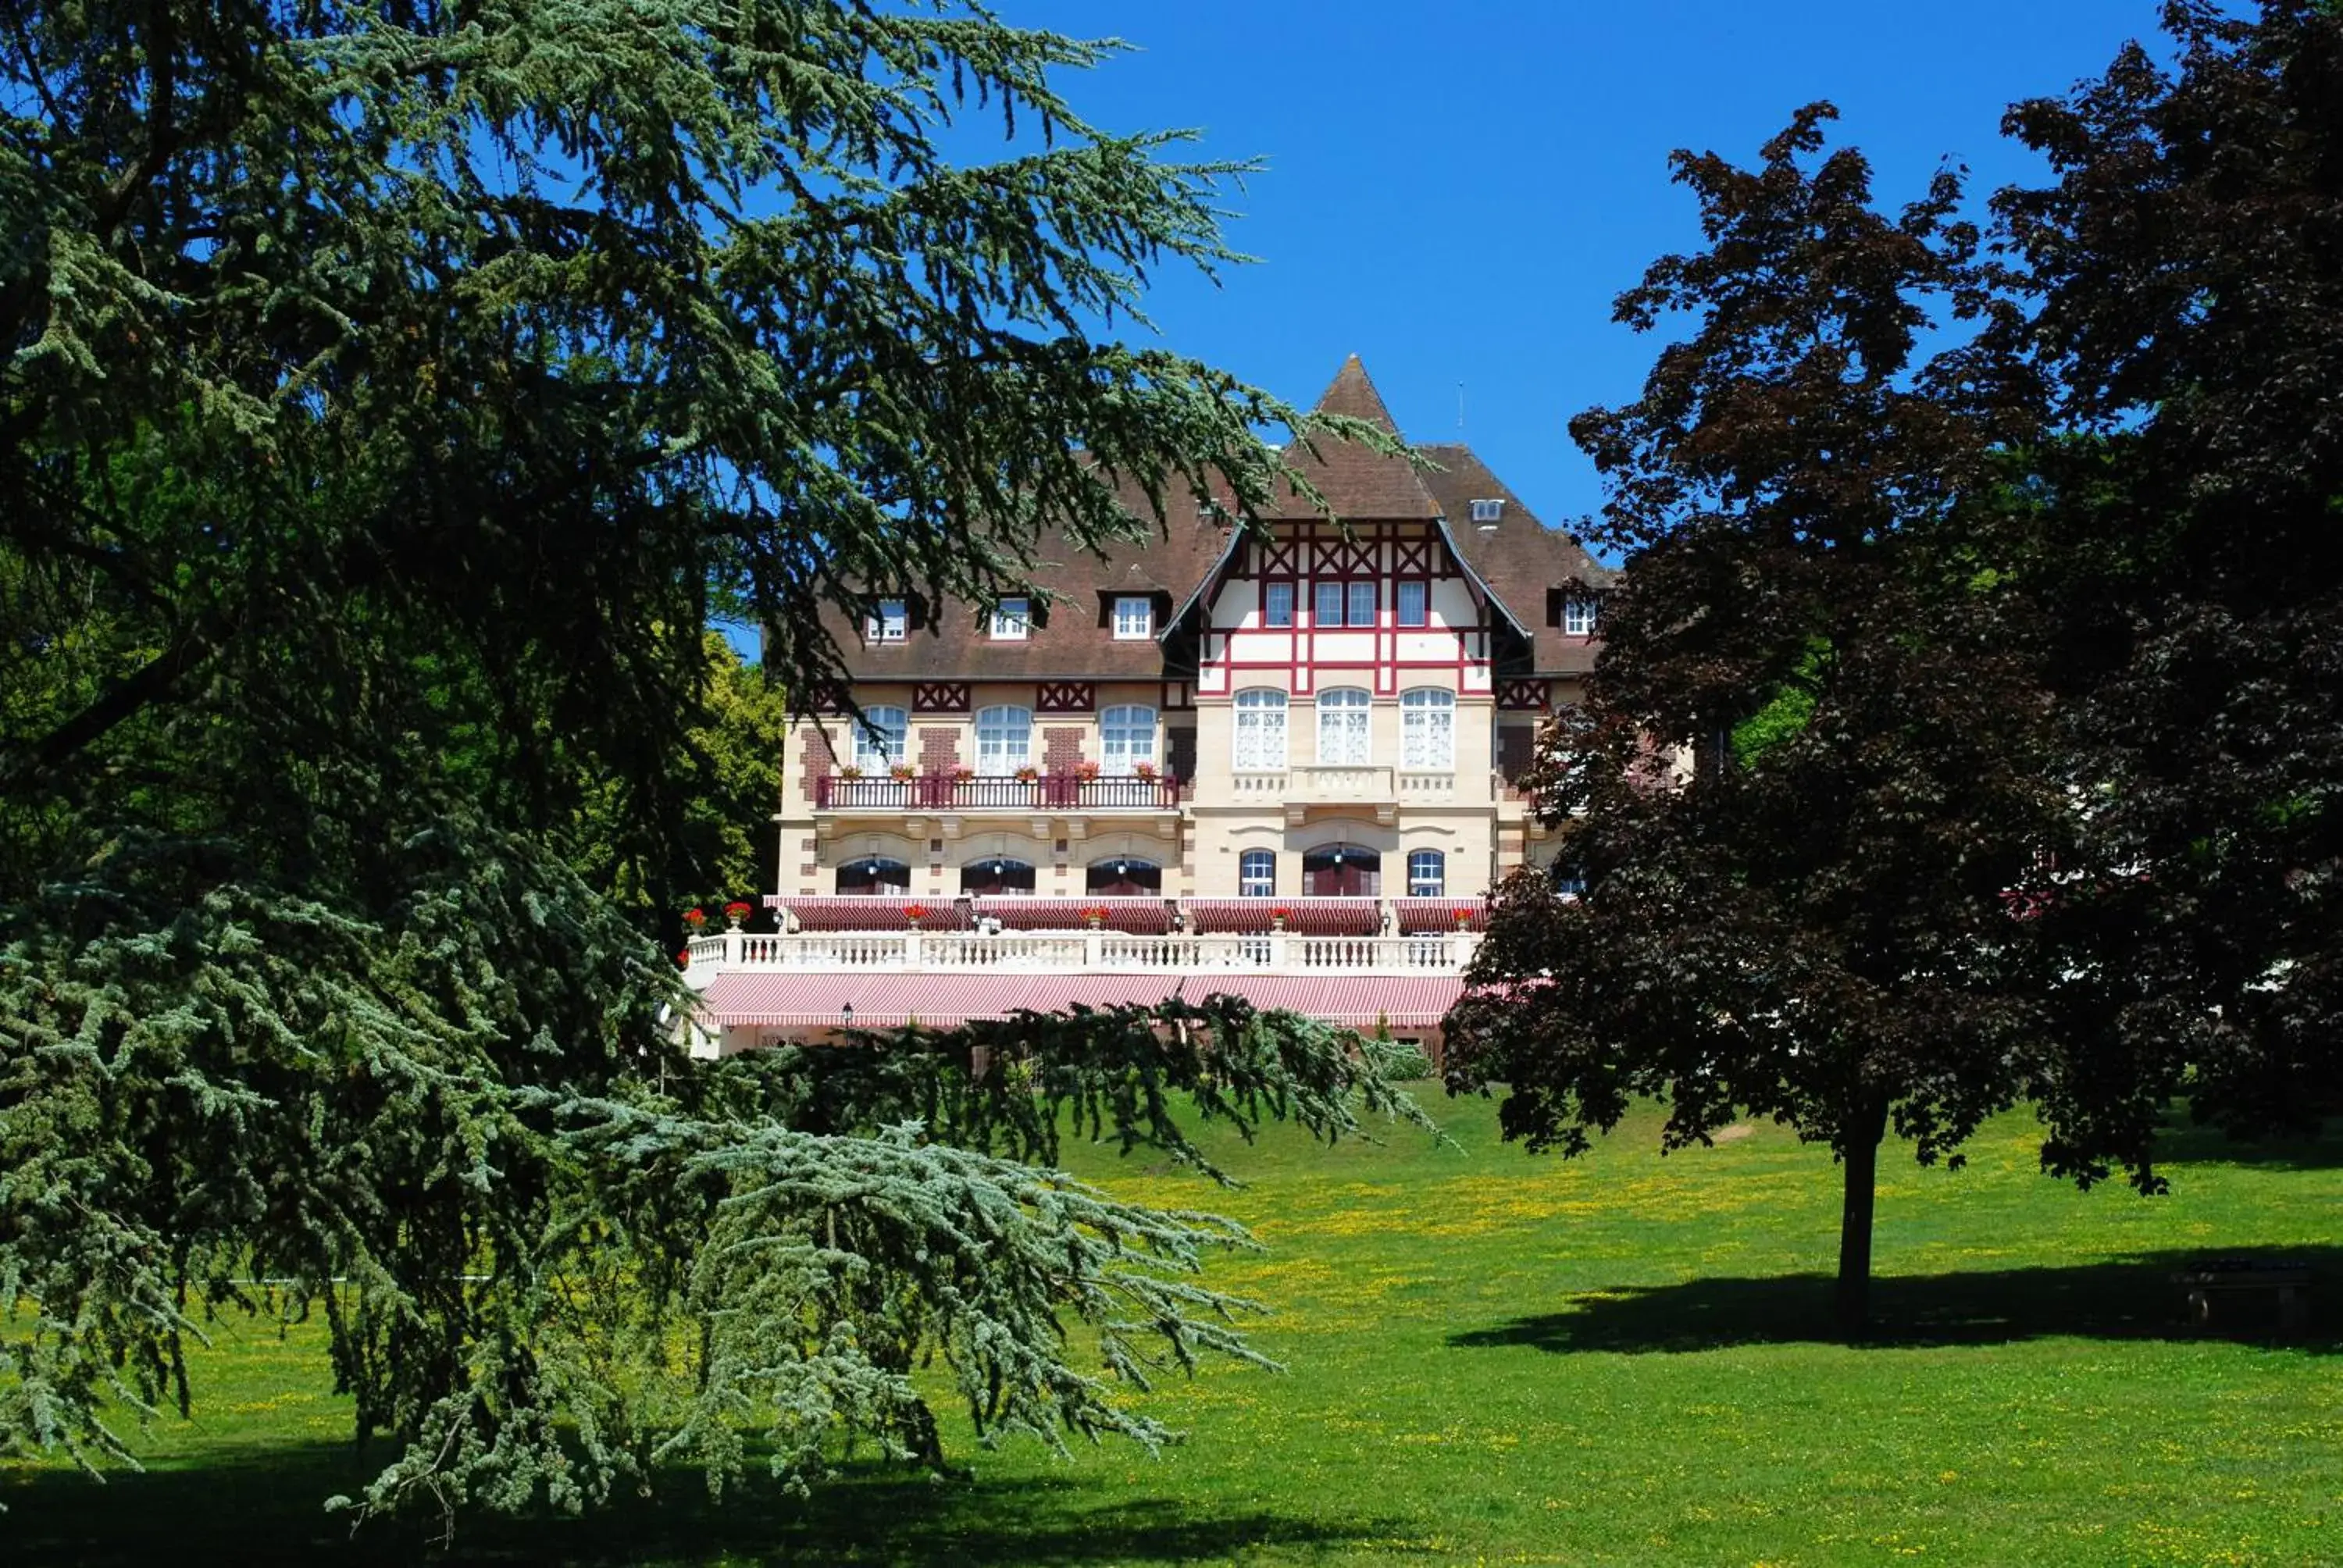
x=846, y=1015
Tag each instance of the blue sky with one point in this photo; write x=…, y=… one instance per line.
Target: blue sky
x=1456, y=192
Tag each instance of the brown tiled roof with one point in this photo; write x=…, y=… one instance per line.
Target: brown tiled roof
x=1360, y=484
x=1521, y=560
x=958, y=645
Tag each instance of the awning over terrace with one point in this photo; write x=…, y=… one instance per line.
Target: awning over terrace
x=1422, y=916
x=742, y=1000
x=745, y=999
x=1353, y=1001
x=1321, y=916
x=1141, y=917
x=868, y=912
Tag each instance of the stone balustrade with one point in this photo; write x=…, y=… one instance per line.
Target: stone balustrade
x=1087, y=952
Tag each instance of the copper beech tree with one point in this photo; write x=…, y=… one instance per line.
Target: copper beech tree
x=1808, y=765
x=1968, y=726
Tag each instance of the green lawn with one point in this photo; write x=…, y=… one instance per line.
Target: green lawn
x=1501, y=1359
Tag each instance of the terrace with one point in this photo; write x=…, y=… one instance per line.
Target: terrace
x=845, y=961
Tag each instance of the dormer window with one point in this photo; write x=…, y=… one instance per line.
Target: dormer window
x=890, y=624
x=1485, y=513
x=1010, y=617
x=1135, y=618
x=1578, y=618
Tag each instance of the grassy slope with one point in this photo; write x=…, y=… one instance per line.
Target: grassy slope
x=1616, y=1359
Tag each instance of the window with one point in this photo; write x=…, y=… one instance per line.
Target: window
x=1427, y=731
x=1123, y=876
x=1427, y=874
x=1343, y=604
x=996, y=876
x=1488, y=511
x=880, y=738
x=1126, y=738
x=1414, y=603
x=1342, y=715
x=1277, y=604
x=1004, y=739
x=1134, y=617
x=1257, y=874
x=1261, y=730
x=1010, y=620
x=874, y=878
x=889, y=624
x=1578, y=618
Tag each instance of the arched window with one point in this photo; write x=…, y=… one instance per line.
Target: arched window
x=880, y=738
x=1261, y=730
x=1257, y=874
x=1427, y=874
x=876, y=876
x=1427, y=731
x=998, y=875
x=1004, y=739
x=1124, y=875
x=1343, y=714
x=1340, y=870
x=1126, y=738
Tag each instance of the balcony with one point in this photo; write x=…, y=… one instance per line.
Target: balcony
x=1001, y=792
x=1080, y=952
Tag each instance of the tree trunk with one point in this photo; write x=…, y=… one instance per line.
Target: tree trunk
x=1860, y=1157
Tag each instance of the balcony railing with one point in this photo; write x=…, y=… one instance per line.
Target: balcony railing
x=1000, y=792
x=1275, y=952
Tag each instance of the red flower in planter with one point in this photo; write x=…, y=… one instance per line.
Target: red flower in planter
x=1086, y=771
x=739, y=909
x=695, y=918
x=683, y=959
x=1095, y=914
x=1280, y=913
x=915, y=911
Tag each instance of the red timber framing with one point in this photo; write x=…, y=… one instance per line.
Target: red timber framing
x=1383, y=553
x=1529, y=696
x=939, y=696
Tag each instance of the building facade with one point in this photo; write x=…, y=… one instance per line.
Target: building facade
x=1333, y=710
x=1316, y=734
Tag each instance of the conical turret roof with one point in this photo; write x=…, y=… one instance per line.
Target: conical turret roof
x=1358, y=483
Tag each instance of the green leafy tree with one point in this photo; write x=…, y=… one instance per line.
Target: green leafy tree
x=1807, y=768
x=386, y=394
x=722, y=844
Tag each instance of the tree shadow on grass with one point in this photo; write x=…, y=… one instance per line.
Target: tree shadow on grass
x=2132, y=1299
x=264, y=1506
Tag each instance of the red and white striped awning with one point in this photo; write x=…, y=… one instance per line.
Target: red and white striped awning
x=743, y=1000
x=747, y=1000
x=1141, y=917
x=1356, y=917
x=869, y=912
x=1353, y=1001
x=1417, y=917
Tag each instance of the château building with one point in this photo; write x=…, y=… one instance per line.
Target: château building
x=1285, y=767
